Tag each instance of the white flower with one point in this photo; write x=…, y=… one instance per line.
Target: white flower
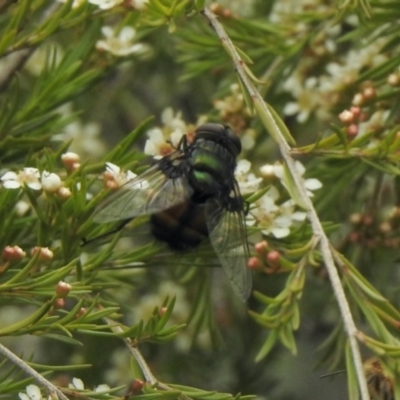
x=307, y=100
x=76, y=384
x=32, y=393
x=311, y=184
x=121, y=44
x=248, y=183
x=79, y=385
x=84, y=137
x=28, y=176
x=175, y=122
x=50, y=182
x=272, y=218
x=114, y=177
x=102, y=388
x=156, y=145
x=106, y=4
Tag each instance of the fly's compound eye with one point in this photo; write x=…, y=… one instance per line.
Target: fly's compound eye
x=221, y=134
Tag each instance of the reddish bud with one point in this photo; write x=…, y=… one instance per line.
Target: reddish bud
x=63, y=289
x=354, y=237
x=352, y=130
x=367, y=220
x=13, y=253
x=59, y=303
x=137, y=386
x=226, y=13
x=273, y=257
x=253, y=263
x=45, y=253
x=356, y=111
x=261, y=247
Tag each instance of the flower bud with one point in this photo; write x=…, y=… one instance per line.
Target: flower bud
x=13, y=253
x=63, y=289
x=71, y=161
x=352, y=130
x=273, y=257
x=261, y=247
x=393, y=79
x=253, y=263
x=162, y=311
x=45, y=253
x=81, y=312
x=358, y=99
x=369, y=93
x=64, y=193
x=50, y=182
x=137, y=386
x=59, y=303
x=346, y=117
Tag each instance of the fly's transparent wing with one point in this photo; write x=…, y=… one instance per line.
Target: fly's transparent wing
x=148, y=193
x=227, y=232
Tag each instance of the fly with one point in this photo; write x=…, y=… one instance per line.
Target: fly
x=192, y=194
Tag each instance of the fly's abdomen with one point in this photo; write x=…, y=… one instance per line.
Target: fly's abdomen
x=212, y=167
x=181, y=227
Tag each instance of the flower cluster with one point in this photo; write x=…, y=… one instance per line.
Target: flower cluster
x=121, y=43
x=273, y=217
x=114, y=177
x=47, y=181
x=31, y=177
x=321, y=92
x=84, y=137
x=163, y=141
x=78, y=384
x=32, y=393
x=247, y=181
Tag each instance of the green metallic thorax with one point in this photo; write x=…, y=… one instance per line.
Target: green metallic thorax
x=212, y=167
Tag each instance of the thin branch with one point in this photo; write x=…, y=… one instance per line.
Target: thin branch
x=299, y=182
x=148, y=375
x=137, y=355
x=53, y=390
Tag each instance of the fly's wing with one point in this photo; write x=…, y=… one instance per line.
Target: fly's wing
x=148, y=193
x=227, y=232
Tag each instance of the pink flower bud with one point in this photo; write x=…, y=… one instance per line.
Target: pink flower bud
x=45, y=253
x=59, y=303
x=13, y=253
x=253, y=263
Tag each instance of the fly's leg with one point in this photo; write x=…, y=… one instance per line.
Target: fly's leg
x=115, y=230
